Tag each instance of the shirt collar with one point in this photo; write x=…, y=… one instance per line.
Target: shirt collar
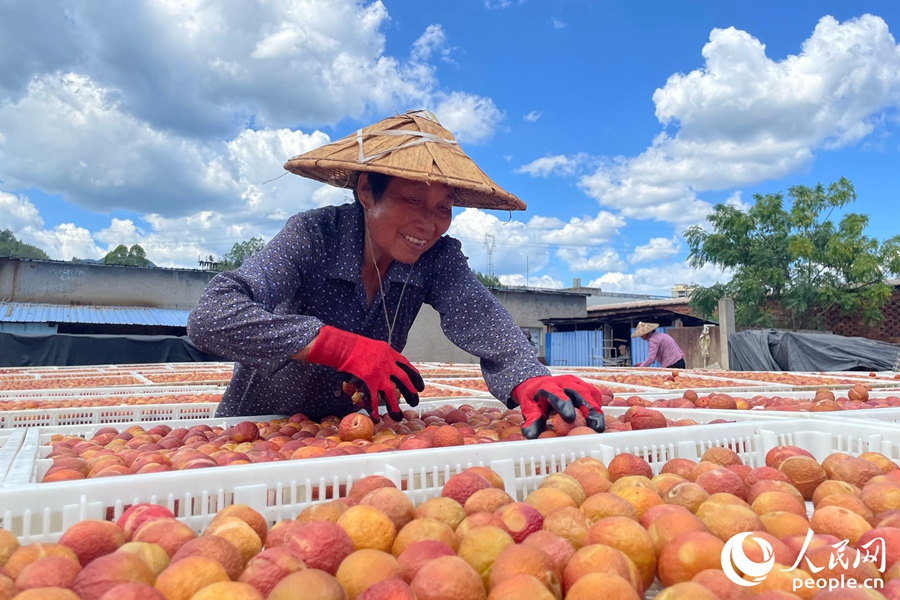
x=347, y=263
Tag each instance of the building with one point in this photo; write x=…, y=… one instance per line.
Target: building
x=529, y=308
x=681, y=290
x=605, y=328
x=54, y=297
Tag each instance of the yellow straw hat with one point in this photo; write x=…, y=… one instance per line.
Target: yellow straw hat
x=411, y=146
x=643, y=329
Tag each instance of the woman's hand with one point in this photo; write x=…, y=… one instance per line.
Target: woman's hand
x=539, y=397
x=373, y=366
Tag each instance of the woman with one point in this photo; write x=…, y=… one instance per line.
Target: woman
x=332, y=297
x=663, y=348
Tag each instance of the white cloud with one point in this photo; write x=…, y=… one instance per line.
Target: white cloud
x=745, y=118
x=558, y=164
x=65, y=241
x=17, y=213
x=557, y=24
x=658, y=280
x=736, y=200
x=515, y=242
x=433, y=40
x=471, y=118
x=580, y=260
x=586, y=231
x=534, y=281
x=655, y=249
x=207, y=68
x=533, y=116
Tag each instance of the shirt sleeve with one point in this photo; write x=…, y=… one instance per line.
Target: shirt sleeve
x=236, y=318
x=474, y=320
x=651, y=352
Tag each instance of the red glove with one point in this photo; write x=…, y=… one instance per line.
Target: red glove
x=373, y=366
x=539, y=396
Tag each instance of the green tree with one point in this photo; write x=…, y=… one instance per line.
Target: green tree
x=10, y=246
x=491, y=281
x=792, y=265
x=240, y=252
x=129, y=257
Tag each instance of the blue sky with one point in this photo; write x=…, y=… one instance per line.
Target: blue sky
x=619, y=124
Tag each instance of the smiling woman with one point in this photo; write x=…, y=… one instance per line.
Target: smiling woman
x=331, y=299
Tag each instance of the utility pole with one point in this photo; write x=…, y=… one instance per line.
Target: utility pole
x=489, y=245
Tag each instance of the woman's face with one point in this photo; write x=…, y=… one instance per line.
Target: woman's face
x=408, y=219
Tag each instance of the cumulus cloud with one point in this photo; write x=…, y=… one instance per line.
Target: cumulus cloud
x=183, y=113
x=655, y=249
x=434, y=40
x=471, y=118
x=586, y=231
x=658, y=280
x=736, y=200
x=580, y=260
x=558, y=164
x=17, y=213
x=534, y=281
x=515, y=243
x=557, y=24
x=533, y=116
x=206, y=68
x=744, y=118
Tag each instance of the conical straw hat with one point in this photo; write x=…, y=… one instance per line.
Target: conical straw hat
x=412, y=146
x=643, y=329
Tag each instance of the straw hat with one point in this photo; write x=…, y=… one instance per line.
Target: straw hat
x=412, y=146
x=643, y=329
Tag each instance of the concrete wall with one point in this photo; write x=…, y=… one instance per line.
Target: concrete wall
x=688, y=339
x=427, y=342
x=55, y=282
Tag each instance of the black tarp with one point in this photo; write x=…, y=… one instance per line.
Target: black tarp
x=23, y=350
x=773, y=350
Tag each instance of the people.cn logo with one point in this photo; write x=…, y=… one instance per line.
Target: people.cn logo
x=733, y=556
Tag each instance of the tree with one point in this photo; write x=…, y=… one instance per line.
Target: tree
x=793, y=265
x=129, y=257
x=491, y=281
x=240, y=252
x=10, y=246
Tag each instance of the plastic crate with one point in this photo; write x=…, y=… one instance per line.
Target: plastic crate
x=9, y=447
x=279, y=490
x=74, y=393
x=124, y=413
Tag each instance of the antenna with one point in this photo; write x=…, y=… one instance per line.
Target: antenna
x=490, y=244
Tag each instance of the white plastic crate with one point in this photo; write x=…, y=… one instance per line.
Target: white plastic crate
x=74, y=393
x=125, y=413
x=822, y=437
x=279, y=490
x=705, y=415
x=9, y=447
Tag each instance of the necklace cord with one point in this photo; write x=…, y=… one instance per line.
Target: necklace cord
x=387, y=321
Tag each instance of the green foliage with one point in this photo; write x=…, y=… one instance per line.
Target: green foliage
x=240, y=252
x=490, y=281
x=129, y=257
x=10, y=246
x=792, y=265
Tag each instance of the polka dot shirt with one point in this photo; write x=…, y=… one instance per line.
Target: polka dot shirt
x=263, y=313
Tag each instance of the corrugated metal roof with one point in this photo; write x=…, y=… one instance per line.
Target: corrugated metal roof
x=23, y=312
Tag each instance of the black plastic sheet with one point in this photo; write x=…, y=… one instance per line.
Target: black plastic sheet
x=61, y=349
x=773, y=350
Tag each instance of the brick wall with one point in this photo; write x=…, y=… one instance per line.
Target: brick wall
x=886, y=330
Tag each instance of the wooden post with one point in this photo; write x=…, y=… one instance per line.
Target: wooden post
x=726, y=328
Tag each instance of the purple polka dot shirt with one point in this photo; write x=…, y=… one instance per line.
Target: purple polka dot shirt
x=263, y=313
